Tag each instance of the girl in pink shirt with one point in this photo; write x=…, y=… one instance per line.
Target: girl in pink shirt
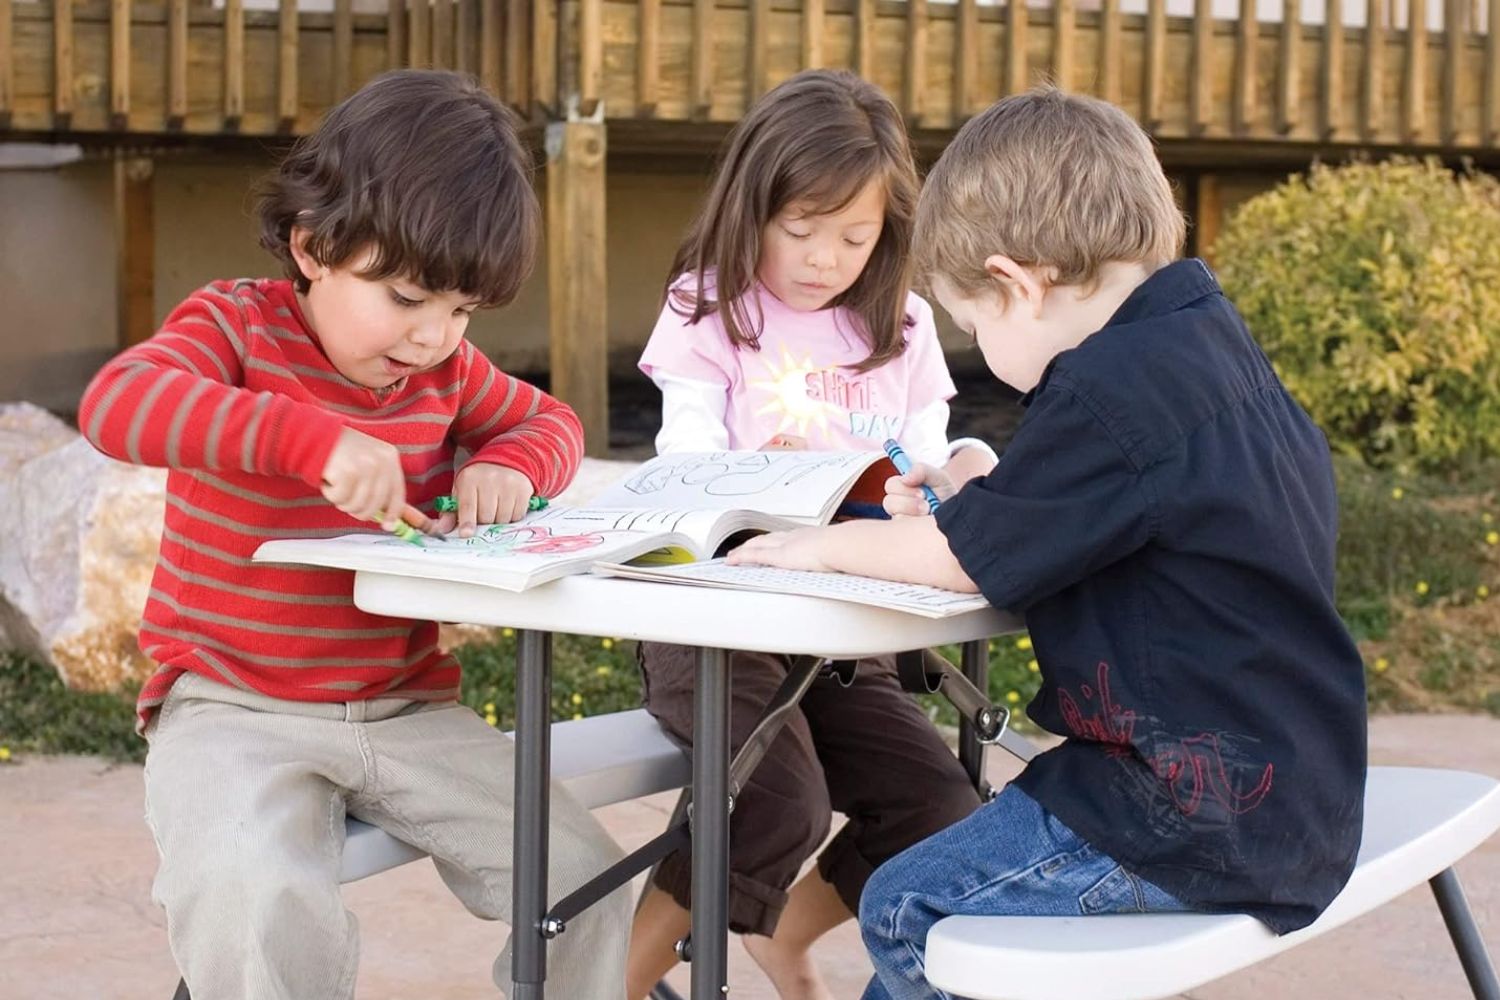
x=788, y=323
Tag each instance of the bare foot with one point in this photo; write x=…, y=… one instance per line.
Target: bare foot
x=792, y=972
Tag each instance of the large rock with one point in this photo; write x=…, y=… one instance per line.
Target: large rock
x=79, y=551
x=81, y=545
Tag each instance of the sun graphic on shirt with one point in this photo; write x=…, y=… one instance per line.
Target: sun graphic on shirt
x=788, y=388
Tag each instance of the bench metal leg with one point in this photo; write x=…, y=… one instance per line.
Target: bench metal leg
x=976, y=667
x=1465, y=934
x=710, y=979
x=533, y=767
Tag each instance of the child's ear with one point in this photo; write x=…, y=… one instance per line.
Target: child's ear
x=1021, y=282
x=306, y=263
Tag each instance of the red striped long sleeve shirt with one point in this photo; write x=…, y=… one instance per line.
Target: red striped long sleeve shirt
x=236, y=398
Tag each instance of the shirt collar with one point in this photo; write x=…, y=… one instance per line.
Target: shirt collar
x=1167, y=290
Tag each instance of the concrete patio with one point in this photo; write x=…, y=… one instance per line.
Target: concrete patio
x=76, y=920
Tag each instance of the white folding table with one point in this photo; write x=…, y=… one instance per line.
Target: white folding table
x=715, y=621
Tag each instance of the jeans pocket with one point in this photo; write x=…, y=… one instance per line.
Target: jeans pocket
x=1116, y=892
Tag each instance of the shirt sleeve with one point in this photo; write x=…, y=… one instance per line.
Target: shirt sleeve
x=925, y=435
x=928, y=378
x=695, y=351
x=505, y=421
x=178, y=400
x=692, y=415
x=1063, y=503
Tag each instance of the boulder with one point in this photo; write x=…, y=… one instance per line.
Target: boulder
x=81, y=546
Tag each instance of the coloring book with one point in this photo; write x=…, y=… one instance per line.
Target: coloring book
x=913, y=598
x=673, y=509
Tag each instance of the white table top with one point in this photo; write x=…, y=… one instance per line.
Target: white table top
x=667, y=612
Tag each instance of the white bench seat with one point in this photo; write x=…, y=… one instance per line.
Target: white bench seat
x=599, y=760
x=1418, y=822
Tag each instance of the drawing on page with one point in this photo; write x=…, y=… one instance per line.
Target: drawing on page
x=729, y=474
x=499, y=540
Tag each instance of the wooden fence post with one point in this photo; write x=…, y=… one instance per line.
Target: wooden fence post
x=135, y=249
x=576, y=286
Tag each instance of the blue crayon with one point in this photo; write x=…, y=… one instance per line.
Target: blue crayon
x=903, y=466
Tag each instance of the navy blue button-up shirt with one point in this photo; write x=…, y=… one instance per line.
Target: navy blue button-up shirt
x=1165, y=518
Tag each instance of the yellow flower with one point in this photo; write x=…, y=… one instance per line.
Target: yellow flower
x=1024, y=642
x=1397, y=493
x=1013, y=696
x=577, y=715
x=508, y=632
x=607, y=643
x=602, y=670
x=577, y=698
x=1034, y=667
x=1382, y=664
x=1422, y=587
x=1487, y=518
x=489, y=708
x=1481, y=591
x=1491, y=537
x=4, y=753
x=491, y=720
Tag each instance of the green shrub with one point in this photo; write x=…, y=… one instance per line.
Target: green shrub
x=1398, y=541
x=1375, y=290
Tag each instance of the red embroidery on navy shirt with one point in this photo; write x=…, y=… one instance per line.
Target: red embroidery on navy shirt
x=1190, y=770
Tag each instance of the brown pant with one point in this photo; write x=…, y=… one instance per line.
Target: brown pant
x=867, y=751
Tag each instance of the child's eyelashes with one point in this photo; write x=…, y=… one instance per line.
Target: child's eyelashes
x=796, y=235
x=403, y=301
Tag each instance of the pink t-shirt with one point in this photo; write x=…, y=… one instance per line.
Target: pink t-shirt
x=801, y=381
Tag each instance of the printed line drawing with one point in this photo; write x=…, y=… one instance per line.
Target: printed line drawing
x=732, y=475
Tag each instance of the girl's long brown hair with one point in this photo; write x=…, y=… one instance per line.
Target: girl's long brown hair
x=820, y=137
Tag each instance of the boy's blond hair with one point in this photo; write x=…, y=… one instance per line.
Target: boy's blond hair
x=1048, y=179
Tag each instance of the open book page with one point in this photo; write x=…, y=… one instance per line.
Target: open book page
x=929, y=602
x=541, y=547
x=805, y=487
x=694, y=534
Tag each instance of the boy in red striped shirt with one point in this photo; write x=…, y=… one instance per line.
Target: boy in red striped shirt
x=299, y=408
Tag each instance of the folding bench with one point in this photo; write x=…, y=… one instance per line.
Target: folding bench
x=1418, y=823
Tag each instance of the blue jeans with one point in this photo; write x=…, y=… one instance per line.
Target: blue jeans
x=1009, y=858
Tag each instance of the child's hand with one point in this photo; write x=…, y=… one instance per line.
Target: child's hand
x=903, y=494
x=799, y=549
x=486, y=494
x=785, y=442
x=364, y=479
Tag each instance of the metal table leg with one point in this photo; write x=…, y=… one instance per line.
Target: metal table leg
x=1465, y=934
x=533, y=767
x=710, y=978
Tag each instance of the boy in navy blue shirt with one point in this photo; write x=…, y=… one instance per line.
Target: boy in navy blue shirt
x=1165, y=518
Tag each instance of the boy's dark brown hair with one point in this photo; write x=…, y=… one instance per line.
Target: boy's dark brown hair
x=820, y=137
x=423, y=166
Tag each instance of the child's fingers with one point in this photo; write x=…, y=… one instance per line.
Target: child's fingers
x=520, y=505
x=468, y=512
x=443, y=524
x=392, y=501
x=918, y=475
x=904, y=505
x=760, y=544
